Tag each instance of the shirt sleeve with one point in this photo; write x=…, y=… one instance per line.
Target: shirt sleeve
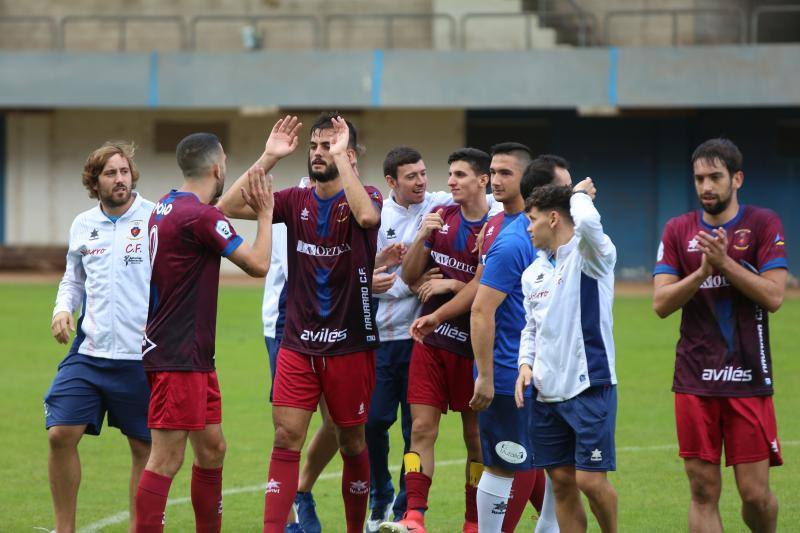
x=398, y=290
x=215, y=232
x=282, y=205
x=527, y=337
x=598, y=251
x=667, y=256
x=375, y=195
x=771, y=251
x=71, y=288
x=504, y=264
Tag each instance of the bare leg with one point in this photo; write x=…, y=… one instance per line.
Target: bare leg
x=602, y=498
x=321, y=450
x=569, y=508
x=424, y=431
x=140, y=451
x=472, y=438
x=759, y=504
x=64, y=469
x=705, y=484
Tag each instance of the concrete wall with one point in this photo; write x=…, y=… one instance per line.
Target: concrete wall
x=46, y=151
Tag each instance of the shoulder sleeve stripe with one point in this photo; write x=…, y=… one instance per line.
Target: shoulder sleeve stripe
x=666, y=269
x=778, y=262
x=233, y=245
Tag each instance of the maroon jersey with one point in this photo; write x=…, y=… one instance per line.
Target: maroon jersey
x=723, y=348
x=330, y=262
x=494, y=226
x=187, y=238
x=451, y=251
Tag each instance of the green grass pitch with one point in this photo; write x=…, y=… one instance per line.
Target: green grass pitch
x=650, y=481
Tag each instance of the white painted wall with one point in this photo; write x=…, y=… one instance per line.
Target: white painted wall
x=46, y=152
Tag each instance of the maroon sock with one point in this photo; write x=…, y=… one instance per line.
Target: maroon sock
x=520, y=492
x=207, y=499
x=284, y=471
x=417, y=487
x=151, y=500
x=355, y=490
x=537, y=494
x=471, y=507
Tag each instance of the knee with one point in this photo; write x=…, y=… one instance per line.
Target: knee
x=288, y=437
x=755, y=496
x=165, y=462
x=423, y=431
x=564, y=484
x=63, y=437
x=140, y=450
x=213, y=454
x=595, y=487
x=351, y=441
x=705, y=488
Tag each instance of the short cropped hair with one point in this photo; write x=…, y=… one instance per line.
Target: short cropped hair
x=97, y=161
x=550, y=198
x=518, y=150
x=197, y=154
x=720, y=149
x=478, y=160
x=541, y=171
x=325, y=122
x=397, y=157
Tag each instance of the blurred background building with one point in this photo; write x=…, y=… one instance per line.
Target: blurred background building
x=624, y=89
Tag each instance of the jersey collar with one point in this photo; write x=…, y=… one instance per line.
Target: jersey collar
x=727, y=225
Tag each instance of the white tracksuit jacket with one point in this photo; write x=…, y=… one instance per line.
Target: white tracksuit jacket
x=108, y=273
x=568, y=339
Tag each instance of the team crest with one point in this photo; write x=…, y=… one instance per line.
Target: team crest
x=778, y=240
x=342, y=212
x=741, y=239
x=136, y=230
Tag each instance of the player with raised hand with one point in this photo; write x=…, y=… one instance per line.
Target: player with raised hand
x=440, y=372
x=567, y=351
x=103, y=370
x=330, y=336
x=725, y=267
x=187, y=238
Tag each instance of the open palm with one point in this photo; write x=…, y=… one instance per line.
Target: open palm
x=282, y=139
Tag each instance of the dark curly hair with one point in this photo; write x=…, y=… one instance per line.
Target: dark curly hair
x=550, y=198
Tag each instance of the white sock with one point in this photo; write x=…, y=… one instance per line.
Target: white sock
x=493, y=493
x=547, y=522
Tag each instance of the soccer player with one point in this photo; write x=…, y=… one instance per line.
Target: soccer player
x=567, y=350
x=103, y=370
x=497, y=317
x=725, y=267
x=440, y=372
x=328, y=344
x=187, y=238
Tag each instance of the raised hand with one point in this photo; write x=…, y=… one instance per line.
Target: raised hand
x=258, y=193
x=391, y=256
x=341, y=136
x=381, y=281
x=587, y=185
x=63, y=323
x=714, y=247
x=431, y=222
x=282, y=139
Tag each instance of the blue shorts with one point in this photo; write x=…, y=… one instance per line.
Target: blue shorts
x=578, y=431
x=505, y=434
x=86, y=387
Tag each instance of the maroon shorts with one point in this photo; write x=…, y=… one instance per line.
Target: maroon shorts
x=439, y=378
x=183, y=400
x=346, y=381
x=746, y=426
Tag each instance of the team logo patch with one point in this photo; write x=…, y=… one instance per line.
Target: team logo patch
x=693, y=246
x=597, y=456
x=445, y=229
x=660, y=253
x=304, y=214
x=136, y=230
x=224, y=229
x=390, y=233
x=741, y=239
x=778, y=240
x=343, y=212
x=93, y=236
x=511, y=452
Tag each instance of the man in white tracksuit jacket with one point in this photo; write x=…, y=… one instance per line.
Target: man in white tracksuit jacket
x=567, y=351
x=108, y=276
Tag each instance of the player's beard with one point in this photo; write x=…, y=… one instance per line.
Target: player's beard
x=111, y=201
x=329, y=174
x=720, y=205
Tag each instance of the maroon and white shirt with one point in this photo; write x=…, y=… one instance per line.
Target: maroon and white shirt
x=724, y=347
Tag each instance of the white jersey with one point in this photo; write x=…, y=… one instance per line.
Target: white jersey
x=568, y=338
x=399, y=306
x=108, y=275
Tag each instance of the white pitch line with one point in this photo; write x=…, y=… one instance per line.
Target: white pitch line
x=122, y=516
